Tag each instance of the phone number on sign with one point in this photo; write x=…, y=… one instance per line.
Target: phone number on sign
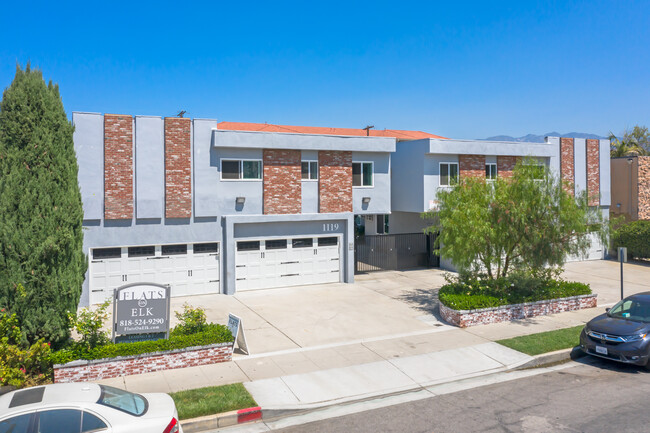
x=141, y=322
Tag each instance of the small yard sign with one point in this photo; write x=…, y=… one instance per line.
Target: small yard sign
x=236, y=328
x=141, y=311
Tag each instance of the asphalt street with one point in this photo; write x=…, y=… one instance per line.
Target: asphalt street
x=594, y=396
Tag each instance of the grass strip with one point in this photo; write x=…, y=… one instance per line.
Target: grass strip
x=211, y=400
x=544, y=342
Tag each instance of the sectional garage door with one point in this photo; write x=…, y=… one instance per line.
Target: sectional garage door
x=190, y=269
x=266, y=263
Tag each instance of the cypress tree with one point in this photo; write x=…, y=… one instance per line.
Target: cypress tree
x=42, y=264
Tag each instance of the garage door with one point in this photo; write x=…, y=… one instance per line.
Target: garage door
x=267, y=263
x=190, y=269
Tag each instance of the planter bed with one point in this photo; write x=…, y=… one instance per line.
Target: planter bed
x=483, y=316
x=90, y=370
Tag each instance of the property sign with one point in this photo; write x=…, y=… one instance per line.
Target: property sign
x=141, y=308
x=236, y=328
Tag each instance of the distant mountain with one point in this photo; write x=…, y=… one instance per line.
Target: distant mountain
x=532, y=138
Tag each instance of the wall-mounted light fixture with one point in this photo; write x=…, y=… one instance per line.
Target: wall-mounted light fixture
x=240, y=200
x=365, y=200
x=630, y=160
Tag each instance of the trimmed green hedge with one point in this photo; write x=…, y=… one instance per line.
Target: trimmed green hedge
x=635, y=236
x=211, y=334
x=487, y=294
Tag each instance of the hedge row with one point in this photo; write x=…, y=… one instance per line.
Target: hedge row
x=211, y=334
x=635, y=236
x=461, y=296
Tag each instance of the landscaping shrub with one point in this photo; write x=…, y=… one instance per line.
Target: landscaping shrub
x=191, y=320
x=212, y=334
x=635, y=236
x=20, y=363
x=478, y=293
x=89, y=325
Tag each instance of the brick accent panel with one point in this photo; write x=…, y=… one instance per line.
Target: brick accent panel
x=505, y=165
x=335, y=181
x=644, y=187
x=178, y=168
x=118, y=167
x=282, y=182
x=593, y=171
x=85, y=371
x=567, y=169
x=465, y=318
x=471, y=166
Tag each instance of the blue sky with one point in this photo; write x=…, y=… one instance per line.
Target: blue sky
x=459, y=69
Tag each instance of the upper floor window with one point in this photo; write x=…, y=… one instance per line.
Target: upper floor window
x=448, y=173
x=490, y=171
x=309, y=170
x=362, y=174
x=238, y=169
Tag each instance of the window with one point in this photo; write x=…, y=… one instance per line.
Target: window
x=171, y=250
x=107, y=253
x=448, y=173
x=90, y=423
x=490, y=171
x=362, y=173
x=125, y=401
x=142, y=251
x=59, y=421
x=248, y=246
x=276, y=244
x=238, y=169
x=309, y=170
x=302, y=243
x=16, y=424
x=210, y=247
x=326, y=242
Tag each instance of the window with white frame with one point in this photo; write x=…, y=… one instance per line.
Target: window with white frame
x=490, y=171
x=448, y=173
x=241, y=169
x=309, y=170
x=362, y=173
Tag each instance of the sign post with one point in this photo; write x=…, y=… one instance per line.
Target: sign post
x=236, y=328
x=622, y=257
x=141, y=312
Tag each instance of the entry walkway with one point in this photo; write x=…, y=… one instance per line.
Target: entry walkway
x=312, y=345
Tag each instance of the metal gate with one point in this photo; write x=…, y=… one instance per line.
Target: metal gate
x=395, y=252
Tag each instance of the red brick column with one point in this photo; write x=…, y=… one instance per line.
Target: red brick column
x=282, y=182
x=178, y=168
x=644, y=187
x=567, y=169
x=335, y=181
x=505, y=165
x=118, y=167
x=593, y=171
x=471, y=166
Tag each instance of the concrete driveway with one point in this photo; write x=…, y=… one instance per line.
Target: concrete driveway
x=378, y=305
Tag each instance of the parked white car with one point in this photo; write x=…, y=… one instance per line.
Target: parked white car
x=85, y=408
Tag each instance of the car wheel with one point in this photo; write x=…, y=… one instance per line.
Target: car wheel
x=647, y=366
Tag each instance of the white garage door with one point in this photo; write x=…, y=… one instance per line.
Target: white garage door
x=190, y=269
x=262, y=264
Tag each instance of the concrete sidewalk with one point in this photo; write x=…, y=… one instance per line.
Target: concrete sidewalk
x=381, y=335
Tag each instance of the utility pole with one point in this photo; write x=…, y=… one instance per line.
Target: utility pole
x=368, y=128
x=622, y=257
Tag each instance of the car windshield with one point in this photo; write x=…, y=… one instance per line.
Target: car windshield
x=128, y=402
x=631, y=309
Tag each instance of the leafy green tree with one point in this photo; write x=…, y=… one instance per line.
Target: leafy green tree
x=635, y=142
x=42, y=264
x=528, y=223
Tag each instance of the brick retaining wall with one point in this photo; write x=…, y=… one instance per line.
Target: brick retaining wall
x=84, y=371
x=465, y=318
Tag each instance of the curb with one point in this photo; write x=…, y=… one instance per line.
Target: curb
x=549, y=358
x=220, y=420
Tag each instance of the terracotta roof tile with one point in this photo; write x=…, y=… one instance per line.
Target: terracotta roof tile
x=268, y=127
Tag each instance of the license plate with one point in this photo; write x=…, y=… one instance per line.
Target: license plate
x=602, y=350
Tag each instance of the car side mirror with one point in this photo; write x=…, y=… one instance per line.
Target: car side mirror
x=607, y=310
